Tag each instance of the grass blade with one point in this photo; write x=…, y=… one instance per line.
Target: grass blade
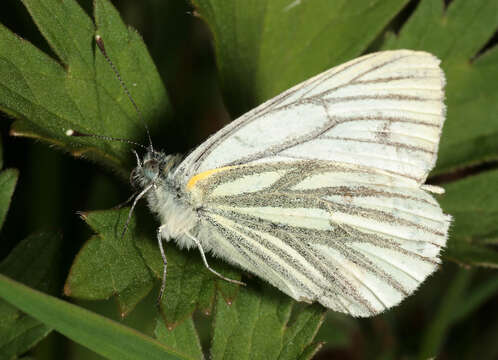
x=104, y=336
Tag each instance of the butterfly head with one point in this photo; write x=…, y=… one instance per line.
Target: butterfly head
x=153, y=169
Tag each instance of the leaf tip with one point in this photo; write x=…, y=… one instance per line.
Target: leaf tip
x=194, y=13
x=13, y=132
x=82, y=214
x=67, y=289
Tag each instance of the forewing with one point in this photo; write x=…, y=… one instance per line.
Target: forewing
x=384, y=110
x=351, y=238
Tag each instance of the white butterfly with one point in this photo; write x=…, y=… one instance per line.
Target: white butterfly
x=319, y=191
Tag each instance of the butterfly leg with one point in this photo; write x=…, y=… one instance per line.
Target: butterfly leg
x=165, y=263
x=199, y=246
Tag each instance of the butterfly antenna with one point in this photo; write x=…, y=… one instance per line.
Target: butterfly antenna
x=71, y=132
x=100, y=44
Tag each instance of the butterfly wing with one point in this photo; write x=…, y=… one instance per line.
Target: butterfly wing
x=384, y=110
x=318, y=190
x=351, y=238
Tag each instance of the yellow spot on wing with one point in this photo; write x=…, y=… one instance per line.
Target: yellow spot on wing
x=194, y=179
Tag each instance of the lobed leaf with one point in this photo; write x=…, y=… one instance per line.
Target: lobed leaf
x=84, y=94
x=255, y=325
x=183, y=338
x=110, y=264
x=189, y=285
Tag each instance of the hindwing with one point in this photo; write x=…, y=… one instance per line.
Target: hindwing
x=356, y=240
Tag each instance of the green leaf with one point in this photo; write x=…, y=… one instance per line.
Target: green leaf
x=184, y=280
x=106, y=337
x=474, y=205
x=8, y=181
x=189, y=285
x=18, y=332
x=84, y=94
x=264, y=47
x=254, y=326
x=456, y=35
x=299, y=335
x=184, y=338
x=110, y=264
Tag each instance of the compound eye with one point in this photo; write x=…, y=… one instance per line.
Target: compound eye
x=152, y=165
x=151, y=168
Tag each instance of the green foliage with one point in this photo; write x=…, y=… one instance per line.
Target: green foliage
x=109, y=264
x=84, y=92
x=184, y=338
x=264, y=314
x=474, y=205
x=96, y=332
x=18, y=332
x=456, y=35
x=8, y=180
x=261, y=48
x=265, y=47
